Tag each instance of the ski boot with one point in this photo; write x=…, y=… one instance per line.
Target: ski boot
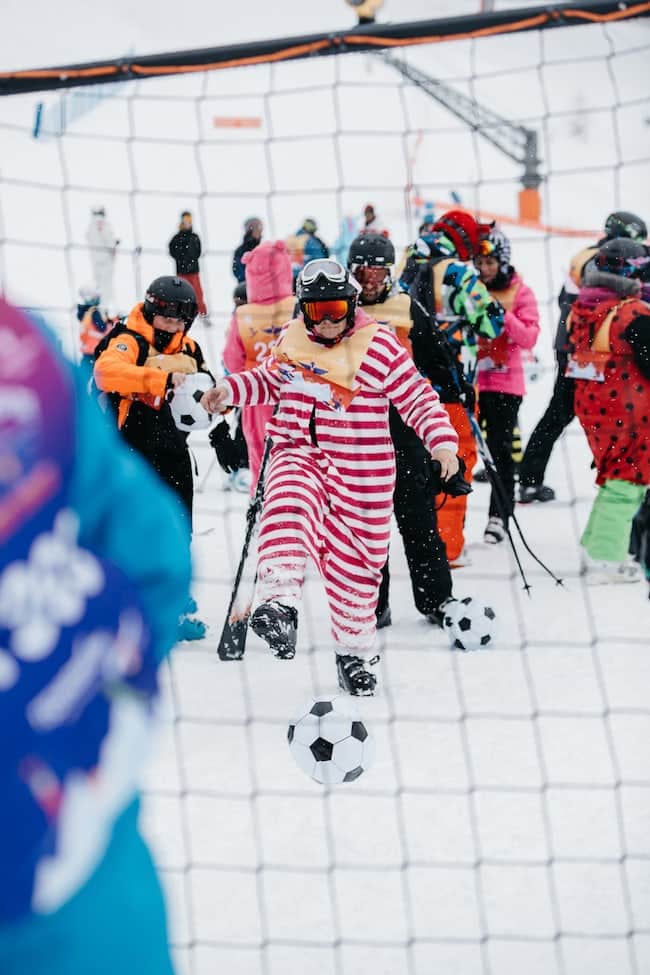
x=438, y=615
x=384, y=618
x=278, y=626
x=495, y=531
x=535, y=492
x=353, y=676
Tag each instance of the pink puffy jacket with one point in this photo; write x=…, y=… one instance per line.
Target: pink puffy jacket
x=268, y=279
x=500, y=368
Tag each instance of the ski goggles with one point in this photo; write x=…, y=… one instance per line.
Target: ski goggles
x=332, y=270
x=487, y=248
x=183, y=310
x=335, y=309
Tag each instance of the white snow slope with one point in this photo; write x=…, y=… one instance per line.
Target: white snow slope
x=504, y=825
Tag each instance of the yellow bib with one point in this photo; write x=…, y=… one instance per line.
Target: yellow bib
x=326, y=373
x=260, y=325
x=395, y=312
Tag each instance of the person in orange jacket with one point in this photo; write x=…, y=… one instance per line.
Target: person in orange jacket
x=92, y=324
x=139, y=363
x=137, y=366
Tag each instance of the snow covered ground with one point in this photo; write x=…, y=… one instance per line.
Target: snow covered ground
x=504, y=825
x=509, y=800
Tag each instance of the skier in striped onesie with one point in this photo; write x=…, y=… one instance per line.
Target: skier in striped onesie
x=329, y=486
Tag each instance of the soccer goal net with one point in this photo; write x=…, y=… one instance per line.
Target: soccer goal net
x=504, y=824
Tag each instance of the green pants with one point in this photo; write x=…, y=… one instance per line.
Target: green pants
x=115, y=925
x=607, y=535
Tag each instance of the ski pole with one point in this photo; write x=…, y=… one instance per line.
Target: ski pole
x=232, y=642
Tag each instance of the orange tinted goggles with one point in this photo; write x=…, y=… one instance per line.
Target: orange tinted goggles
x=318, y=311
x=486, y=248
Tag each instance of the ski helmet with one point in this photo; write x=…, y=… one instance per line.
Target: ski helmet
x=321, y=283
x=464, y=232
x=622, y=223
x=371, y=250
x=171, y=297
x=496, y=245
x=370, y=259
x=621, y=256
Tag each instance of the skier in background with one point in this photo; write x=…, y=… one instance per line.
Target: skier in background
x=560, y=411
x=451, y=311
x=329, y=486
x=500, y=370
x=94, y=568
x=253, y=229
x=371, y=223
x=254, y=330
x=102, y=243
x=93, y=326
x=371, y=259
x=305, y=246
x=185, y=248
x=609, y=332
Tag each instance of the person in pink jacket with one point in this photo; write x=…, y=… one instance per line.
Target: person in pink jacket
x=254, y=330
x=500, y=369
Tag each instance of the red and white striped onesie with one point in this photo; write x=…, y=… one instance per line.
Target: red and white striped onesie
x=329, y=486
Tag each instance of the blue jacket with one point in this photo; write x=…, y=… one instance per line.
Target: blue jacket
x=94, y=573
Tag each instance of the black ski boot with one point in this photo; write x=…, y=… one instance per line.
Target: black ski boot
x=384, y=618
x=535, y=492
x=438, y=615
x=278, y=626
x=353, y=676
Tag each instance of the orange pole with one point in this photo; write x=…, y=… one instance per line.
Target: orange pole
x=530, y=205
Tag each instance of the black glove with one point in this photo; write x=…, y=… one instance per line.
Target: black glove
x=228, y=453
x=468, y=395
x=454, y=486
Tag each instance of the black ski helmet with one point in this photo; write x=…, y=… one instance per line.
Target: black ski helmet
x=371, y=250
x=620, y=256
x=172, y=297
x=325, y=279
x=621, y=223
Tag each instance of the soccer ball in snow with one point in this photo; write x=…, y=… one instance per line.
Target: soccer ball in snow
x=330, y=742
x=470, y=625
x=185, y=403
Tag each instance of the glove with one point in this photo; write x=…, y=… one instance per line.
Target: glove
x=456, y=485
x=468, y=396
x=492, y=324
x=228, y=453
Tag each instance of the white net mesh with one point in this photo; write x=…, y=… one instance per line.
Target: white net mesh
x=504, y=826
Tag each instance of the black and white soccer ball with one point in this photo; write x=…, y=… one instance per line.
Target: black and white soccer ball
x=469, y=624
x=330, y=742
x=185, y=403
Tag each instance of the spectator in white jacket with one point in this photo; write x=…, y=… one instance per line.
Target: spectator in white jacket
x=102, y=242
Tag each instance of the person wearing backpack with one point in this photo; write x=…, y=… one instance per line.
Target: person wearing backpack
x=137, y=366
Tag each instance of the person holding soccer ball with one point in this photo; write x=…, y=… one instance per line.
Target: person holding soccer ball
x=329, y=485
x=138, y=366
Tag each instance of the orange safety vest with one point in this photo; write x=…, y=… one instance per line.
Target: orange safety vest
x=328, y=373
x=579, y=263
x=260, y=325
x=89, y=336
x=395, y=313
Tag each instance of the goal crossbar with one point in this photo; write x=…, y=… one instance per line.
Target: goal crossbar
x=368, y=37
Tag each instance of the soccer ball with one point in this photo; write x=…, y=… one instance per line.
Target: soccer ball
x=470, y=625
x=330, y=742
x=185, y=404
